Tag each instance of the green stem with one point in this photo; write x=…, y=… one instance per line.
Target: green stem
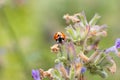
x=100, y=60
x=85, y=41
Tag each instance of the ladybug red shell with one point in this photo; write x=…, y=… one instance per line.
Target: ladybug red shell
x=59, y=37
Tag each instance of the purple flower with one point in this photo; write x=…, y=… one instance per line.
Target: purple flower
x=117, y=43
x=36, y=74
x=83, y=69
x=114, y=48
x=111, y=49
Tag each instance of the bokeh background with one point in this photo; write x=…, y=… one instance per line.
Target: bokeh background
x=27, y=28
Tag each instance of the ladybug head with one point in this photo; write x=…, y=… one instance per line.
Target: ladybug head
x=59, y=37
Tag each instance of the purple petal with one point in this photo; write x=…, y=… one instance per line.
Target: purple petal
x=36, y=74
x=83, y=69
x=73, y=48
x=62, y=70
x=117, y=43
x=77, y=60
x=70, y=48
x=58, y=66
x=68, y=70
x=112, y=49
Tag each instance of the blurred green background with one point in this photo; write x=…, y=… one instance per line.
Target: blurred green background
x=27, y=28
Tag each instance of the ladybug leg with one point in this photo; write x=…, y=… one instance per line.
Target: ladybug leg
x=63, y=39
x=57, y=41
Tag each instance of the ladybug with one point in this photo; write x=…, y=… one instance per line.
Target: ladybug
x=59, y=37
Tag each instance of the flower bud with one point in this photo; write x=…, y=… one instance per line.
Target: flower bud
x=103, y=74
x=57, y=61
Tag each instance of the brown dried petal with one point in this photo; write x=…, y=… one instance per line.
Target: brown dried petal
x=93, y=56
x=78, y=67
x=83, y=57
x=62, y=70
x=55, y=48
x=118, y=54
x=67, y=18
x=112, y=69
x=103, y=33
x=45, y=74
x=73, y=18
x=93, y=33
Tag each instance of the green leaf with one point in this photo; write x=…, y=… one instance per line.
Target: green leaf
x=94, y=20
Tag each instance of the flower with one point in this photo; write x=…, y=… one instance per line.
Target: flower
x=114, y=48
x=83, y=69
x=36, y=74
x=111, y=49
x=117, y=43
